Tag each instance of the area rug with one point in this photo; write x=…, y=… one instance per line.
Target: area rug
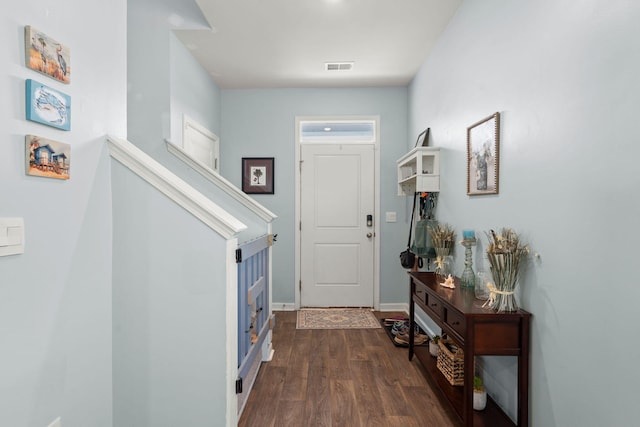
x=336, y=318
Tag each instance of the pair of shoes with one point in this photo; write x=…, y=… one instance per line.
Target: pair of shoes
x=418, y=339
x=389, y=321
x=403, y=328
x=400, y=327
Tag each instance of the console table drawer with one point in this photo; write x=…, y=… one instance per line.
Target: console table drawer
x=455, y=320
x=434, y=307
x=420, y=293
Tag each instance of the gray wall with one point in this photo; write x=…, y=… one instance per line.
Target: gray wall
x=55, y=299
x=261, y=123
x=563, y=75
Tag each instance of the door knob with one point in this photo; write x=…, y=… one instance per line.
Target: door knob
x=369, y=235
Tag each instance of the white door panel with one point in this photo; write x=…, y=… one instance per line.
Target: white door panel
x=337, y=246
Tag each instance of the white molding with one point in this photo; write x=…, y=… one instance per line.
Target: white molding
x=284, y=306
x=404, y=307
x=231, y=331
x=175, y=188
x=217, y=179
x=419, y=316
x=214, y=141
x=376, y=208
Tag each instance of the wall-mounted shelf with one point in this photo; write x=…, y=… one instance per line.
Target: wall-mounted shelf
x=418, y=171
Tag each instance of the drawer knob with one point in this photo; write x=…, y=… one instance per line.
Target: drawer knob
x=456, y=323
x=434, y=304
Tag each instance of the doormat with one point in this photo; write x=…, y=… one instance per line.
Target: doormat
x=336, y=318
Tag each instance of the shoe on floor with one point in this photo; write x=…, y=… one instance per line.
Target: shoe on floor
x=418, y=339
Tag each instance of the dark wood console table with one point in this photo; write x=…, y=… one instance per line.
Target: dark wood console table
x=478, y=331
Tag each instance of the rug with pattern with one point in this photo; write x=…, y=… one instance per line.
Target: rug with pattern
x=336, y=318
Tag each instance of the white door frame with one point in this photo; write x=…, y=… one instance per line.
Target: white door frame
x=376, y=222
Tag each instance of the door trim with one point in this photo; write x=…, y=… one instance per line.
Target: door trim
x=376, y=191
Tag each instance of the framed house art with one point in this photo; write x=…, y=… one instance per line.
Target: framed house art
x=257, y=175
x=47, y=158
x=483, y=156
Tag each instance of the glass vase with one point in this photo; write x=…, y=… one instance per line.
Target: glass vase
x=444, y=268
x=481, y=290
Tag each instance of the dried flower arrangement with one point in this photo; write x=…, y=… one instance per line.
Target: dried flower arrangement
x=442, y=237
x=506, y=253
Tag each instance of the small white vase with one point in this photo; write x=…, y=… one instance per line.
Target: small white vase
x=433, y=348
x=479, y=400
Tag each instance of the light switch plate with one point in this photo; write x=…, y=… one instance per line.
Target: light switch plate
x=11, y=236
x=391, y=216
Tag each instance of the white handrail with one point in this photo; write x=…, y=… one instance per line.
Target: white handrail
x=218, y=180
x=175, y=188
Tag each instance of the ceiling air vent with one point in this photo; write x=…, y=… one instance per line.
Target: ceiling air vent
x=338, y=66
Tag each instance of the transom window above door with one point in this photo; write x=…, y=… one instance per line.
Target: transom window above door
x=342, y=131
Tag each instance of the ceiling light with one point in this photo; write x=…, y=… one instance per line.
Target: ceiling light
x=327, y=129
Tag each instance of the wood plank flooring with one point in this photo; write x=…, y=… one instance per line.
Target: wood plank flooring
x=335, y=378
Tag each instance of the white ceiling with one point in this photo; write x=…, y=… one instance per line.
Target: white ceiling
x=286, y=43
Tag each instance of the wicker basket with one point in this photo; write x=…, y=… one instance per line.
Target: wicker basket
x=451, y=363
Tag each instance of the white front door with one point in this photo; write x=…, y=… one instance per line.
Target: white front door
x=337, y=245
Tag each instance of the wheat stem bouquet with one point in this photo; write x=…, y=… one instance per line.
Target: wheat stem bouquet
x=506, y=254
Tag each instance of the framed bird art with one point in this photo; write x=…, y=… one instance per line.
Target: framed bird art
x=47, y=56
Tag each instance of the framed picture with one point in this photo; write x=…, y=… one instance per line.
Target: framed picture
x=47, y=56
x=483, y=156
x=47, y=158
x=47, y=106
x=423, y=138
x=257, y=175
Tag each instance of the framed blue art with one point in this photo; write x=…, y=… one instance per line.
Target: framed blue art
x=47, y=106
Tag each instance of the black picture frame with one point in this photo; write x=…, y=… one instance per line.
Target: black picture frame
x=423, y=138
x=257, y=175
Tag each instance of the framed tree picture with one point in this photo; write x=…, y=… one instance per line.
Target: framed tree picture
x=257, y=175
x=483, y=156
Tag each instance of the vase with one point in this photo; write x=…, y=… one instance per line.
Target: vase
x=468, y=277
x=443, y=265
x=479, y=400
x=504, y=269
x=433, y=348
x=481, y=290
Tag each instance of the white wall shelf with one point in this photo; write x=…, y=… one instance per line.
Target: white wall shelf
x=419, y=170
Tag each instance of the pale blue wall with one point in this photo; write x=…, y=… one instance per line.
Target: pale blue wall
x=169, y=317
x=165, y=82
x=261, y=123
x=192, y=92
x=564, y=76
x=55, y=299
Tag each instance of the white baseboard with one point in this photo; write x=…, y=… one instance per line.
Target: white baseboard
x=395, y=307
x=283, y=306
x=419, y=316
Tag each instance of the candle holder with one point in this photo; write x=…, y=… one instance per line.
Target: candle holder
x=468, y=277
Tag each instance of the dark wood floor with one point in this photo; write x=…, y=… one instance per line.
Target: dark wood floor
x=333, y=378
